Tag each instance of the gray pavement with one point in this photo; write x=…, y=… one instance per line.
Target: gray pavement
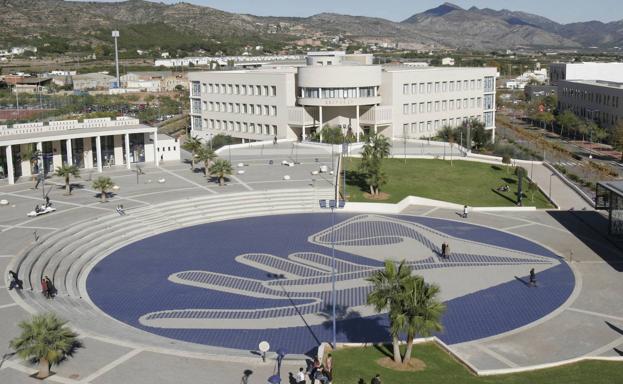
x=588, y=324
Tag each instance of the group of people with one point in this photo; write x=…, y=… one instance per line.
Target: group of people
x=445, y=250
x=15, y=281
x=42, y=207
x=120, y=210
x=47, y=288
x=317, y=372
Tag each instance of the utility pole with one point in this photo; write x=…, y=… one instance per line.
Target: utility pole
x=115, y=34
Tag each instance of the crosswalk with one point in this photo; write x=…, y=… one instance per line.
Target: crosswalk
x=568, y=163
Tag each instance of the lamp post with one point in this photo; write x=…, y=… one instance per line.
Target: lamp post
x=333, y=205
x=550, y=186
x=115, y=35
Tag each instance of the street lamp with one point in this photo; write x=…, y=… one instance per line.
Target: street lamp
x=332, y=205
x=115, y=35
x=550, y=185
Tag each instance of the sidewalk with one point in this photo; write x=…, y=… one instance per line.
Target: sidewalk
x=561, y=193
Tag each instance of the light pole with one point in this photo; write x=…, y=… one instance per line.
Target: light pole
x=333, y=205
x=550, y=186
x=115, y=35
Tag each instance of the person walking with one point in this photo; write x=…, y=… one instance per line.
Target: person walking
x=443, y=250
x=39, y=180
x=532, y=278
x=44, y=288
x=329, y=367
x=50, y=286
x=300, y=376
x=447, y=251
x=465, y=208
x=15, y=281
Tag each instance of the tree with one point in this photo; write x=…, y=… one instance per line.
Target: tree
x=617, y=137
x=423, y=311
x=103, y=184
x=532, y=188
x=221, y=169
x=46, y=340
x=332, y=135
x=388, y=293
x=206, y=154
x=446, y=133
x=566, y=119
x=67, y=171
x=506, y=159
x=192, y=145
x=375, y=149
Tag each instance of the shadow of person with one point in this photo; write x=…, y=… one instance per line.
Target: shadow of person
x=361, y=381
x=524, y=282
x=291, y=379
x=245, y=376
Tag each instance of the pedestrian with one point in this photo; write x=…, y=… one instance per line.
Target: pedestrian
x=314, y=368
x=50, y=286
x=532, y=278
x=329, y=367
x=15, y=281
x=39, y=179
x=300, y=376
x=447, y=251
x=275, y=140
x=44, y=288
x=465, y=211
x=376, y=379
x=443, y=250
x=47, y=201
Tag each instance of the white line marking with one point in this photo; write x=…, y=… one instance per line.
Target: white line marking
x=8, y=305
x=606, y=347
x=598, y=314
x=189, y=181
x=112, y=365
x=242, y=182
x=6, y=256
x=518, y=226
x=430, y=211
x=164, y=191
x=497, y=356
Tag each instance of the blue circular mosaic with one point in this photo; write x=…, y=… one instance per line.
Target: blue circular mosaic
x=235, y=283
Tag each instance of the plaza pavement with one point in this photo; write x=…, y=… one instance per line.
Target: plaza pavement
x=590, y=323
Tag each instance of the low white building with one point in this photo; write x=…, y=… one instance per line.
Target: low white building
x=291, y=102
x=168, y=148
x=447, y=61
x=90, y=144
x=585, y=71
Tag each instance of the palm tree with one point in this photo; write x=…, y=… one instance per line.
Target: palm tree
x=192, y=145
x=375, y=149
x=206, y=154
x=46, y=340
x=67, y=171
x=103, y=184
x=221, y=168
x=423, y=311
x=388, y=293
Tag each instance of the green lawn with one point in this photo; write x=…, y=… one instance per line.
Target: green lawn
x=353, y=364
x=464, y=182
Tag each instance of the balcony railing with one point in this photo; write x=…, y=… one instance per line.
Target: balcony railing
x=377, y=115
x=302, y=116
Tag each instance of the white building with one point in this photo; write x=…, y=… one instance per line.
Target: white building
x=447, y=61
x=91, y=144
x=585, y=71
x=597, y=100
x=168, y=148
x=223, y=60
x=335, y=89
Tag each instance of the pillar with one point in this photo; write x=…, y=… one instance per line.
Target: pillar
x=303, y=136
x=40, y=165
x=98, y=150
x=374, y=129
x=357, y=122
x=70, y=159
x=87, y=152
x=9, y=164
x=25, y=163
x=156, y=156
x=127, y=150
x=320, y=121
x=57, y=154
x=118, y=151
x=493, y=135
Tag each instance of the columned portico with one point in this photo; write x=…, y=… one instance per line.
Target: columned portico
x=118, y=149
x=24, y=160
x=9, y=164
x=70, y=159
x=87, y=153
x=357, y=126
x=57, y=154
x=127, y=150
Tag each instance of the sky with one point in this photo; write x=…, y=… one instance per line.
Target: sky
x=562, y=11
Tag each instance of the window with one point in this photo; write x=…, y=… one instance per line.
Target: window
x=211, y=106
x=479, y=102
x=414, y=88
x=451, y=88
x=413, y=127
x=258, y=109
x=429, y=88
x=273, y=110
x=472, y=103
x=421, y=107
x=444, y=105
x=413, y=108
x=251, y=109
x=429, y=125
x=488, y=117
x=458, y=85
x=436, y=125
x=429, y=106
x=489, y=84
x=204, y=88
x=209, y=89
x=197, y=123
x=274, y=132
x=464, y=103
x=421, y=88
x=273, y=90
x=237, y=89
x=258, y=90
x=458, y=104
x=405, y=128
x=405, y=109
x=465, y=85
x=244, y=108
x=444, y=86
x=452, y=122
x=230, y=107
x=237, y=126
x=251, y=90
x=421, y=126
x=437, y=87
x=436, y=106
x=230, y=89
x=196, y=88
x=211, y=124
x=243, y=89
x=245, y=127
x=265, y=90
x=472, y=84
x=451, y=105
x=252, y=128
x=196, y=106
x=366, y=92
x=405, y=89
x=479, y=84
x=237, y=110
x=266, y=110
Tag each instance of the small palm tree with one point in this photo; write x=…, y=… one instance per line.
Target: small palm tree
x=388, y=293
x=192, y=145
x=221, y=169
x=423, y=311
x=46, y=340
x=206, y=154
x=103, y=184
x=67, y=171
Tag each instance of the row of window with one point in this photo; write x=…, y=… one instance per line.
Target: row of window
x=338, y=93
x=602, y=117
x=443, y=86
x=592, y=97
x=251, y=109
x=239, y=89
x=241, y=126
x=434, y=125
x=445, y=105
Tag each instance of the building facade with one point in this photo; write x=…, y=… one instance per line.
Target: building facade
x=90, y=144
x=338, y=90
x=597, y=100
x=585, y=71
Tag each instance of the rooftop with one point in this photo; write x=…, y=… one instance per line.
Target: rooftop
x=599, y=83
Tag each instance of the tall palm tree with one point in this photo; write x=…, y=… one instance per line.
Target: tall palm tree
x=221, y=169
x=206, y=154
x=423, y=311
x=388, y=293
x=192, y=145
x=46, y=340
x=67, y=171
x=103, y=184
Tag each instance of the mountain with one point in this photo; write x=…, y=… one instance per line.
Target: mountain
x=60, y=26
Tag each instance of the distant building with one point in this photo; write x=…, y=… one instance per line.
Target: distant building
x=223, y=61
x=534, y=91
x=447, y=61
x=597, y=100
x=92, y=81
x=585, y=71
x=153, y=81
x=168, y=148
x=339, y=90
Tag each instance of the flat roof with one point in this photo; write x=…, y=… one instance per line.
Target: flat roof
x=73, y=134
x=615, y=186
x=410, y=68
x=598, y=83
